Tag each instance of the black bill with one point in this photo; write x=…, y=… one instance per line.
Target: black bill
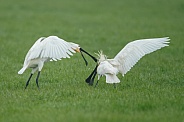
x=81, y=50
x=90, y=79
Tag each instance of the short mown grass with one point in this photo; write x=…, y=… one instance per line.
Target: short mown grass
x=153, y=91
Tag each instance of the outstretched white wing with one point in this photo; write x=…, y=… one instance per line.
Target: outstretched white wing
x=51, y=47
x=135, y=50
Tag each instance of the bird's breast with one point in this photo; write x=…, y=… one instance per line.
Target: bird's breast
x=106, y=68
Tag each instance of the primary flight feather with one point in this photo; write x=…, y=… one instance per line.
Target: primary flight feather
x=46, y=49
x=125, y=59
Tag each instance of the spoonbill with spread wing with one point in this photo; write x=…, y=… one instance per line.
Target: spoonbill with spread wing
x=47, y=49
x=125, y=59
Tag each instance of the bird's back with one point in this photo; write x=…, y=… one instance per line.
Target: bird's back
x=36, y=47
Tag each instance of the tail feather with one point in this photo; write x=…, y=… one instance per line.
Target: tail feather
x=22, y=70
x=110, y=78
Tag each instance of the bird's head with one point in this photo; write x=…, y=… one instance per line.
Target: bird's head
x=77, y=48
x=101, y=56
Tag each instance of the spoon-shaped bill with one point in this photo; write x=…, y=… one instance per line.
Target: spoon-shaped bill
x=90, y=79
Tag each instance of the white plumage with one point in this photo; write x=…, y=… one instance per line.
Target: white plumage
x=46, y=49
x=109, y=71
x=127, y=58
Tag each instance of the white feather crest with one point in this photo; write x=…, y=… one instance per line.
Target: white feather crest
x=101, y=56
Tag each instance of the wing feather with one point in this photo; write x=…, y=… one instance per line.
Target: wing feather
x=64, y=49
x=61, y=49
x=58, y=52
x=51, y=47
x=33, y=51
x=135, y=50
x=57, y=47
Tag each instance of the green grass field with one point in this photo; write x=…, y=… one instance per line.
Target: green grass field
x=153, y=91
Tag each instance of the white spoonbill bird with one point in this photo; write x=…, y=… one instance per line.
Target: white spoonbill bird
x=125, y=59
x=46, y=49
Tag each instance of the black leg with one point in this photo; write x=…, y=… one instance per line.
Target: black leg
x=37, y=79
x=84, y=59
x=28, y=80
x=89, y=55
x=96, y=83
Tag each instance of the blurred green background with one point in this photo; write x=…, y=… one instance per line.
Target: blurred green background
x=152, y=91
